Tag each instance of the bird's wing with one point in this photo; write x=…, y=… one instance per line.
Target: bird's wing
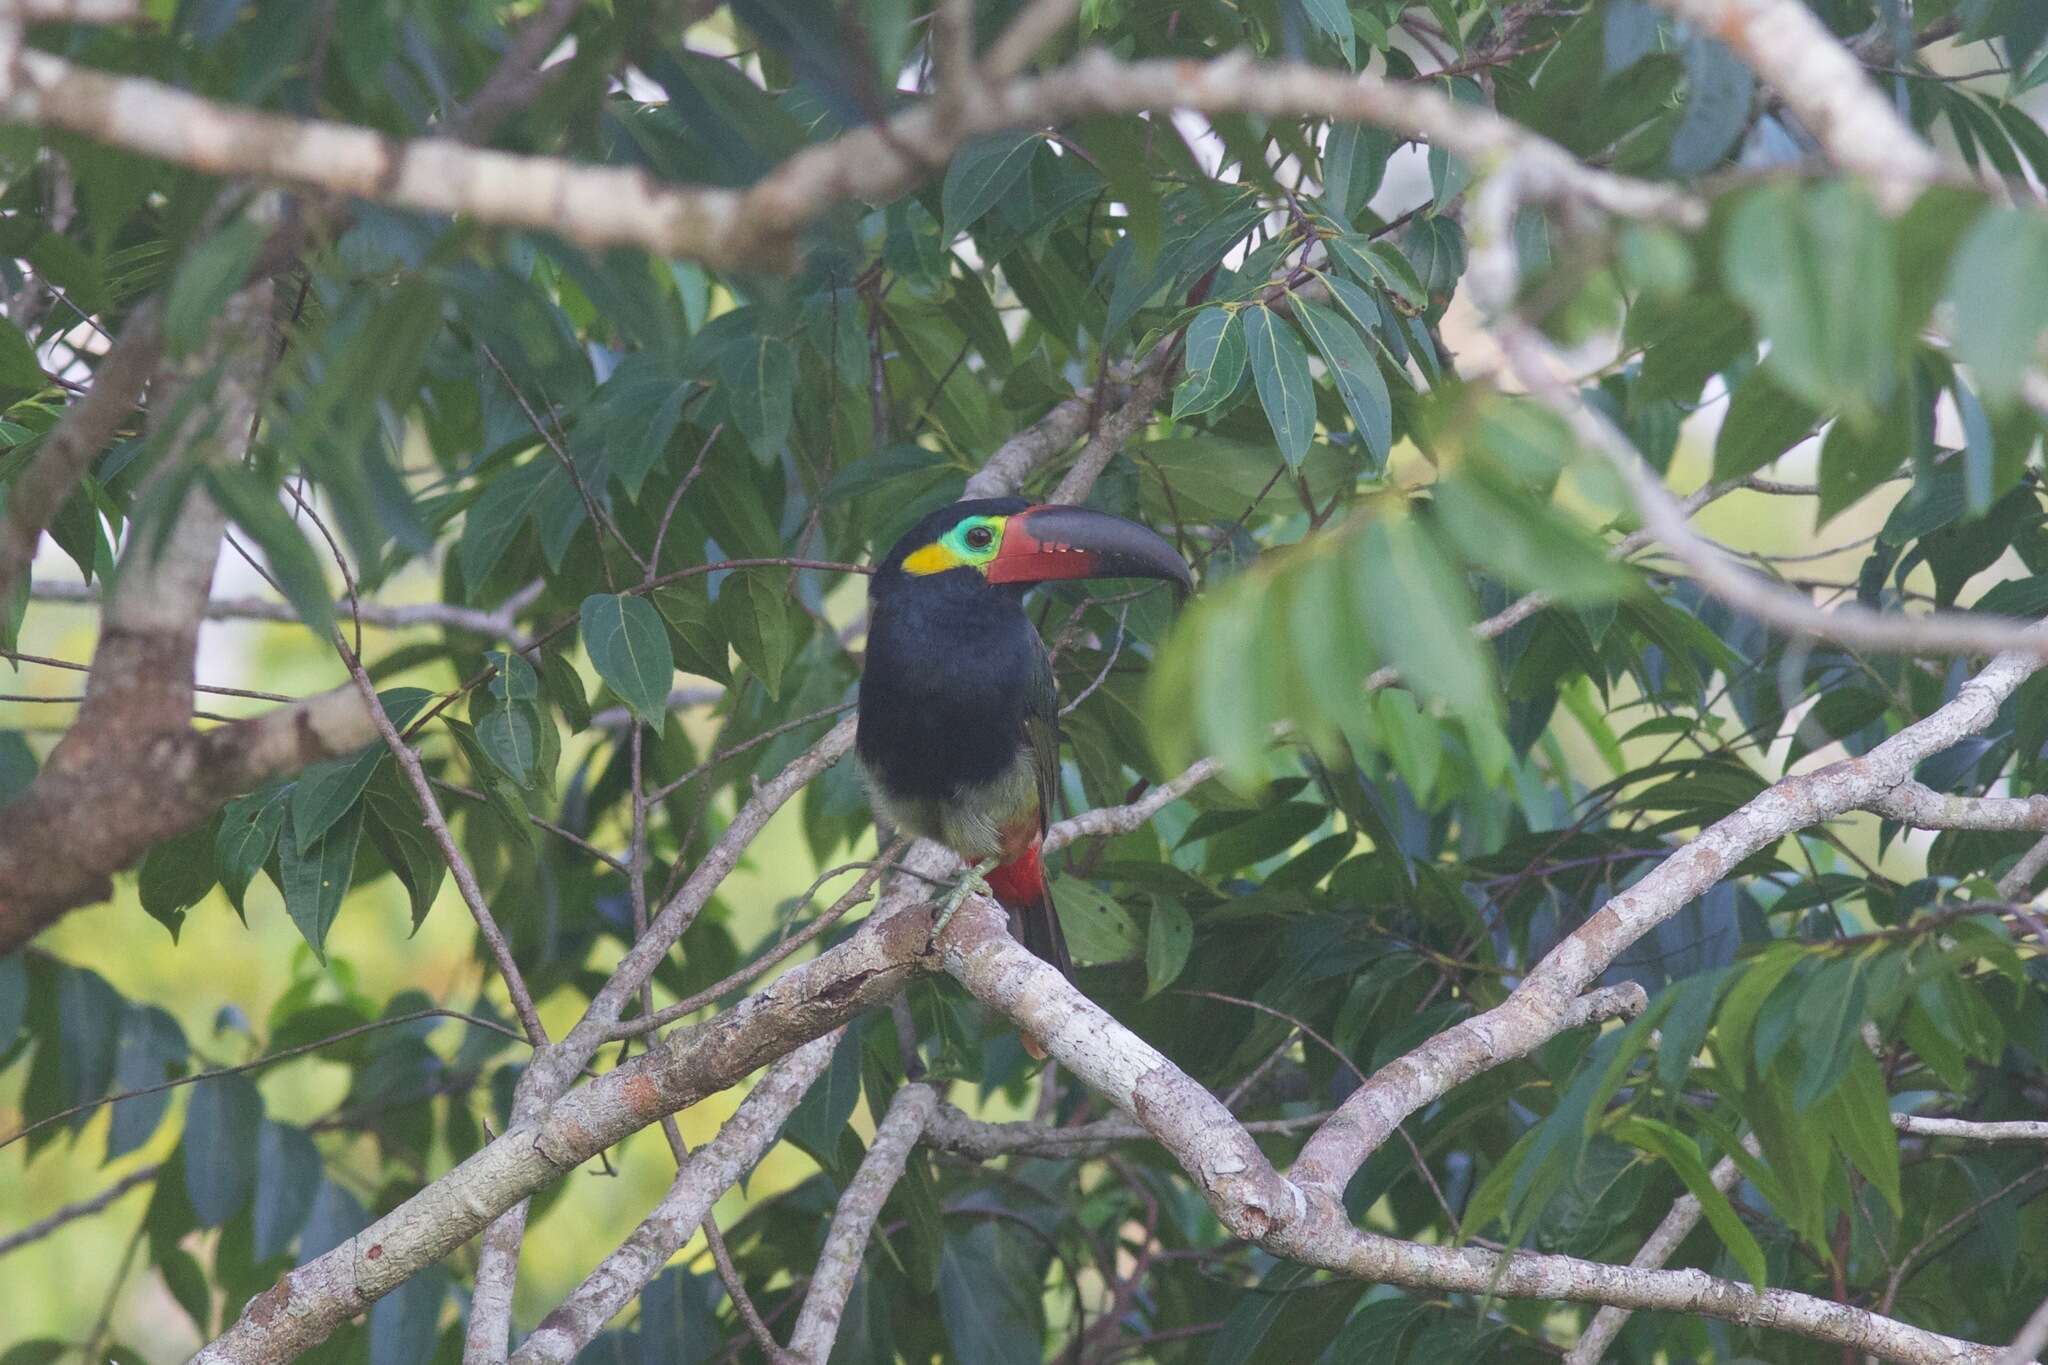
x=1042, y=734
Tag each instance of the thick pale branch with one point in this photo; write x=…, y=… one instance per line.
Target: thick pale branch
x=1532, y=1014
x=600, y=206
x=1941, y=632
x=1307, y=1224
x=131, y=770
x=1786, y=44
x=806, y=1002
x=703, y=1176
x=1922, y=807
x=853, y=1221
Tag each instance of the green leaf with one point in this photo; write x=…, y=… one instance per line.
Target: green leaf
x=287, y=1177
x=629, y=649
x=1354, y=165
x=1097, y=928
x=1417, y=612
x=1745, y=998
x=1764, y=421
x=187, y=1284
x=1719, y=90
x=565, y=688
x=89, y=1018
x=756, y=614
x=1856, y=459
x=510, y=733
x=1169, y=934
x=326, y=791
x=247, y=833
x=980, y=174
x=315, y=877
x=1215, y=352
x=207, y=278
x=1814, y=265
x=21, y=373
x=17, y=765
x=1830, y=1019
x=1527, y=542
x=1356, y=375
x=1280, y=370
x=1677, y=1150
x=221, y=1127
x=152, y=1050
x=500, y=512
x=1858, y=1113
x=826, y=1107
x=1998, y=285
x=253, y=505
x=1332, y=18
x=398, y=829
x=989, y=1297
x=698, y=640
x=500, y=796
x=759, y=378
x=13, y=998
x=176, y=874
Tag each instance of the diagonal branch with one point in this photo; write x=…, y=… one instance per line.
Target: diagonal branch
x=704, y=1175
x=853, y=1221
x=1529, y=1017
x=1818, y=78
x=1307, y=1223
x=85, y=430
x=1660, y=1246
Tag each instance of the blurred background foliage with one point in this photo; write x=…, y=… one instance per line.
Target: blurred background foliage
x=504, y=422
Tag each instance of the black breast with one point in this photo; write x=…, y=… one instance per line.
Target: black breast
x=950, y=664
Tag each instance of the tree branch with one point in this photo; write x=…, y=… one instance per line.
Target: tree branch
x=1306, y=1223
x=1969, y=1130
x=1534, y=1012
x=602, y=206
x=1660, y=1246
x=702, y=1177
x=84, y=1208
x=806, y=1002
x=86, y=428
x=853, y=1221
x=1820, y=81
x=495, y=625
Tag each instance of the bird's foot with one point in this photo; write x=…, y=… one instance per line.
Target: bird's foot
x=974, y=880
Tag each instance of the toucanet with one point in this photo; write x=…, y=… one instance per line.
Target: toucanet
x=959, y=715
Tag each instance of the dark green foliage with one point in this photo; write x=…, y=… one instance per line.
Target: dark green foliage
x=612, y=463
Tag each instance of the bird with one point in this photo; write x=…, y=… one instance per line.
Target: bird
x=958, y=714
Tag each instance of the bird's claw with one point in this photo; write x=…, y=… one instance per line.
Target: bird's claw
x=974, y=880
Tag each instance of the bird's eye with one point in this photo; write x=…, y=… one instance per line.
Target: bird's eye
x=980, y=537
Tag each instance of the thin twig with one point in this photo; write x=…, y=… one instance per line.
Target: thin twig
x=269, y=1059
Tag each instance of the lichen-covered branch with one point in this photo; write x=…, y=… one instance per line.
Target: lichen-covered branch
x=703, y=1176
x=1530, y=1016
x=853, y=1221
x=1307, y=1223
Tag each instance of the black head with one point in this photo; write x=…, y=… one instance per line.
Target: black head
x=1013, y=542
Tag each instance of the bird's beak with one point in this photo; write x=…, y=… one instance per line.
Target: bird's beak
x=1053, y=540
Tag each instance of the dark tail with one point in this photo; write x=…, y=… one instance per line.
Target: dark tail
x=1021, y=886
